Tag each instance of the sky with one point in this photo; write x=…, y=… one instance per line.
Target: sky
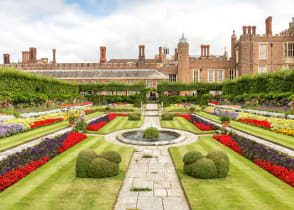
x=76, y=28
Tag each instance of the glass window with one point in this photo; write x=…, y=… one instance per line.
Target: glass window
x=210, y=75
x=262, y=68
x=262, y=51
x=149, y=83
x=130, y=81
x=220, y=76
x=196, y=75
x=172, y=77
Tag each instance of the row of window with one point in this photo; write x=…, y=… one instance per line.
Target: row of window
x=196, y=76
x=288, y=50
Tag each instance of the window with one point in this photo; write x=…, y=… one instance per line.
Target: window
x=289, y=50
x=262, y=68
x=172, y=77
x=196, y=75
x=130, y=81
x=220, y=75
x=210, y=75
x=262, y=51
x=107, y=81
x=149, y=83
x=98, y=81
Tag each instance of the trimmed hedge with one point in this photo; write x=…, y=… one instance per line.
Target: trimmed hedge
x=84, y=160
x=100, y=168
x=192, y=156
x=167, y=116
x=204, y=169
x=112, y=156
x=134, y=117
x=151, y=133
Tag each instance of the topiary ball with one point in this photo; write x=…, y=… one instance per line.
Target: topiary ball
x=191, y=157
x=112, y=156
x=84, y=159
x=215, y=155
x=188, y=169
x=204, y=169
x=100, y=168
x=221, y=161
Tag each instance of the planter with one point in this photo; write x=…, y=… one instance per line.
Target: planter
x=72, y=124
x=192, y=112
x=226, y=124
x=107, y=111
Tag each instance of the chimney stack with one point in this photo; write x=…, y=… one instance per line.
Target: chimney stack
x=54, y=56
x=244, y=30
x=6, y=59
x=268, y=26
x=141, y=52
x=176, y=54
x=201, y=50
x=254, y=30
x=33, y=54
x=208, y=48
x=102, y=54
x=249, y=29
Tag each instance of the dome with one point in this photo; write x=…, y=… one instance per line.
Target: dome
x=183, y=39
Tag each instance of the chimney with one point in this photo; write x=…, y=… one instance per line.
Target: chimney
x=201, y=50
x=102, y=54
x=249, y=29
x=176, y=54
x=208, y=47
x=54, y=56
x=254, y=30
x=33, y=54
x=244, y=30
x=6, y=59
x=268, y=26
x=25, y=57
x=141, y=52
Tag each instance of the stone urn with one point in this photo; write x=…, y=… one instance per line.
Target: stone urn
x=226, y=124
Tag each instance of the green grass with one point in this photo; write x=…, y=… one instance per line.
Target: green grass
x=54, y=185
x=182, y=124
x=21, y=138
x=274, y=137
x=119, y=123
x=246, y=187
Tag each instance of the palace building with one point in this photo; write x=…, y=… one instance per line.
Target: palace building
x=251, y=53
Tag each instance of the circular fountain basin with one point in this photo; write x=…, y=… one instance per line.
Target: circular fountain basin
x=165, y=137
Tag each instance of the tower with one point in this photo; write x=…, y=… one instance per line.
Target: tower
x=102, y=54
x=233, y=46
x=183, y=61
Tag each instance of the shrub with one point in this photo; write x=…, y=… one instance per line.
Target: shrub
x=188, y=169
x=165, y=100
x=224, y=118
x=84, y=159
x=137, y=102
x=112, y=156
x=204, y=169
x=215, y=155
x=151, y=133
x=192, y=156
x=101, y=167
x=134, y=116
x=167, y=117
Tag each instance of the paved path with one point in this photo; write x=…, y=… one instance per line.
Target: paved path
x=254, y=138
x=157, y=174
x=37, y=141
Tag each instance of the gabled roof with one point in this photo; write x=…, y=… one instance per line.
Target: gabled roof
x=102, y=74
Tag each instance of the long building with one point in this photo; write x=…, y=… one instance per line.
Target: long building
x=251, y=53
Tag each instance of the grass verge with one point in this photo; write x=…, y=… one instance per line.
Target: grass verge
x=55, y=186
x=246, y=187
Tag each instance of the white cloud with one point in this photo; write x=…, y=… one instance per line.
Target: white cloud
x=48, y=24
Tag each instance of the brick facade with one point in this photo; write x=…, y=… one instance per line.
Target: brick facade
x=251, y=53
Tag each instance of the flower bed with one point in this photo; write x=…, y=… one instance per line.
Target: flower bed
x=212, y=103
x=45, y=122
x=203, y=127
x=277, y=163
x=183, y=104
x=10, y=129
x=11, y=167
x=80, y=104
x=89, y=111
x=186, y=116
x=199, y=123
x=259, y=123
x=96, y=125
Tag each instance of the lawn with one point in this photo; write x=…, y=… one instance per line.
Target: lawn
x=274, y=137
x=246, y=187
x=54, y=185
x=182, y=124
x=21, y=138
x=119, y=123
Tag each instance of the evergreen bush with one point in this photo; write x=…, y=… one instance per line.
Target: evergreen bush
x=134, y=117
x=112, y=156
x=165, y=100
x=84, y=159
x=100, y=168
x=167, y=116
x=192, y=156
x=151, y=133
x=221, y=161
x=204, y=169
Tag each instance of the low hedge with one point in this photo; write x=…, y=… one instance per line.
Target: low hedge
x=151, y=133
x=134, y=117
x=167, y=116
x=83, y=162
x=100, y=168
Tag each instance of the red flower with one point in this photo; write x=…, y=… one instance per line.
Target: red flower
x=228, y=141
x=213, y=102
x=11, y=177
x=203, y=127
x=97, y=126
x=45, y=122
x=259, y=123
x=71, y=140
x=281, y=172
x=114, y=115
x=186, y=116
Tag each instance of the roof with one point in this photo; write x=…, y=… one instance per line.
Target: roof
x=102, y=74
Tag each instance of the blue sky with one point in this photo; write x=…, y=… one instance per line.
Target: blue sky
x=95, y=7
x=76, y=28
